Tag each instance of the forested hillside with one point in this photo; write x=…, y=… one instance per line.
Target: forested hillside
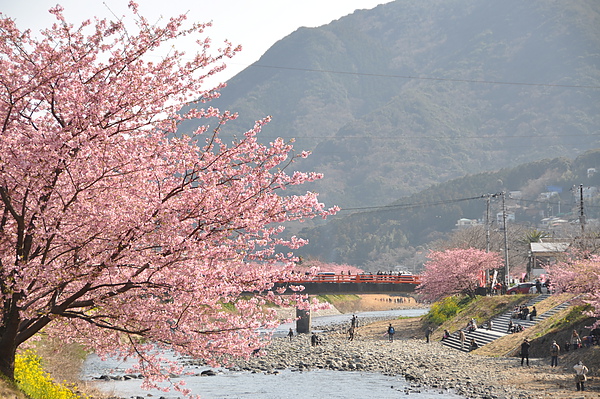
x=399, y=233
x=413, y=93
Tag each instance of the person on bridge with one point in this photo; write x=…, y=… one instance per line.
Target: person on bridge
x=391, y=331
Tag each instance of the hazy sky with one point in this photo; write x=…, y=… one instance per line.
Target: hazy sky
x=256, y=25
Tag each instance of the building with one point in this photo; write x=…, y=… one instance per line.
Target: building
x=543, y=253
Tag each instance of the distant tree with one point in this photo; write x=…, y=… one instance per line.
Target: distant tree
x=115, y=232
x=534, y=236
x=455, y=271
x=476, y=237
x=579, y=274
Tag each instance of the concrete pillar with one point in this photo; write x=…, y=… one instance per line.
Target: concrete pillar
x=303, y=321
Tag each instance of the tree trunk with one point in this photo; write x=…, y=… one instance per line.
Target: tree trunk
x=7, y=360
x=8, y=337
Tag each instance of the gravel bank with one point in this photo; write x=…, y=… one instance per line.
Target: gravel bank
x=431, y=365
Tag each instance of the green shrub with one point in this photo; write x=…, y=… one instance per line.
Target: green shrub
x=446, y=309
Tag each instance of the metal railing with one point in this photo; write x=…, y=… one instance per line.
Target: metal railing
x=354, y=278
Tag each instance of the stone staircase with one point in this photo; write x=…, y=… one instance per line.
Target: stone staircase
x=500, y=326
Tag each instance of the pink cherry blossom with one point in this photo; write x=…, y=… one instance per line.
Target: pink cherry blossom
x=578, y=273
x=117, y=231
x=455, y=271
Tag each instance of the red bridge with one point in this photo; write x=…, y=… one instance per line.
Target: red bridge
x=330, y=283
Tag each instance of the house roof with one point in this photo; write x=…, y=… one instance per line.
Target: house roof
x=538, y=248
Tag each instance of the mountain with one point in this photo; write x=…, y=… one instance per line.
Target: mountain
x=535, y=193
x=410, y=94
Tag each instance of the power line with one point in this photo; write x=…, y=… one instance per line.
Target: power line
x=445, y=202
x=409, y=77
x=410, y=206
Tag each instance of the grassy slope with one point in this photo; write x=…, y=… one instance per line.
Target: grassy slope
x=558, y=327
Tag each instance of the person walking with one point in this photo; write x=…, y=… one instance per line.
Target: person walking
x=554, y=352
x=391, y=333
x=580, y=375
x=351, y=333
x=525, y=351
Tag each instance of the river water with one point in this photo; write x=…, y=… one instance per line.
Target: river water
x=287, y=384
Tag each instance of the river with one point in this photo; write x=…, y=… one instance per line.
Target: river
x=287, y=384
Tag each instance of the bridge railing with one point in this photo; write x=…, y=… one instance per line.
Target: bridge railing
x=356, y=278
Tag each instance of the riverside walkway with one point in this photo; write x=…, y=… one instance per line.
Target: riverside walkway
x=500, y=325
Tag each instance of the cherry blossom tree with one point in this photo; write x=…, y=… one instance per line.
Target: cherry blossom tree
x=579, y=273
x=117, y=231
x=455, y=271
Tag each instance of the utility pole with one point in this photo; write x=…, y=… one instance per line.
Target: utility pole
x=581, y=214
x=506, y=265
x=487, y=223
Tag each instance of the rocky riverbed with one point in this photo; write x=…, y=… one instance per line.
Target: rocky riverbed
x=423, y=365
x=431, y=365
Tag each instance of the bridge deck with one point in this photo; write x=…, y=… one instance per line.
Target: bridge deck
x=352, y=284
x=357, y=278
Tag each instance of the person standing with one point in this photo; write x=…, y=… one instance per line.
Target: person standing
x=462, y=337
x=290, y=334
x=525, y=351
x=428, y=333
x=580, y=375
x=554, y=352
x=575, y=340
x=391, y=333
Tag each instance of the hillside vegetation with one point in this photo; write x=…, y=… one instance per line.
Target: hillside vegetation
x=388, y=236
